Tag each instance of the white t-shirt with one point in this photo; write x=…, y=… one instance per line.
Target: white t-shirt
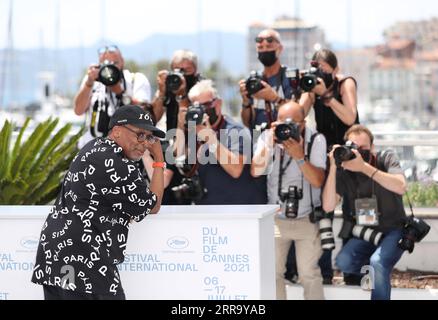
x=137, y=87
x=293, y=175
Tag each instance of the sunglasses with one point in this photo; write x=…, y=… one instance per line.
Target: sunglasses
x=105, y=49
x=142, y=137
x=268, y=39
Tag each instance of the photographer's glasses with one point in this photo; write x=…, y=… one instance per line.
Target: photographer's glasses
x=268, y=39
x=105, y=49
x=142, y=137
x=209, y=104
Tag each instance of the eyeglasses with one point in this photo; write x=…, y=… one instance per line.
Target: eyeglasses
x=268, y=39
x=111, y=49
x=142, y=137
x=209, y=104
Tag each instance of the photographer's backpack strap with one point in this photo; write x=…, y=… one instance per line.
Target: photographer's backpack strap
x=310, y=145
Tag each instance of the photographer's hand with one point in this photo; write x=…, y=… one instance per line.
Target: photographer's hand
x=205, y=132
x=320, y=89
x=93, y=74
x=294, y=149
x=332, y=158
x=268, y=93
x=244, y=93
x=355, y=165
x=161, y=82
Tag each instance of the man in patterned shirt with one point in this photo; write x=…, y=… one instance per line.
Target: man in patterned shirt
x=84, y=237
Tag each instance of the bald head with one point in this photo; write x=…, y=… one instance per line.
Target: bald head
x=291, y=110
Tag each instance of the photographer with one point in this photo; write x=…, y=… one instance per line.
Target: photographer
x=260, y=109
x=375, y=185
x=224, y=151
x=174, y=85
x=106, y=87
x=294, y=158
x=334, y=101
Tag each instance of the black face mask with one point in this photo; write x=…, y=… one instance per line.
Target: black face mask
x=268, y=58
x=191, y=80
x=212, y=115
x=366, y=155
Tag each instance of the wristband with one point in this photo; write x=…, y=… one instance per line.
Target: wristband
x=372, y=176
x=161, y=165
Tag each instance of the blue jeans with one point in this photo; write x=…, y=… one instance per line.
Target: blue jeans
x=357, y=253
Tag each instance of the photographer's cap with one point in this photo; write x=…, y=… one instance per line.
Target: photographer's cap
x=137, y=117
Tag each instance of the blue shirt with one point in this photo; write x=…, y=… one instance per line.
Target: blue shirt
x=222, y=189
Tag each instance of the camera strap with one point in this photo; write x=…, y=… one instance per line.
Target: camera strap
x=282, y=171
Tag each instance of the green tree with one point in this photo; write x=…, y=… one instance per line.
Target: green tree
x=31, y=171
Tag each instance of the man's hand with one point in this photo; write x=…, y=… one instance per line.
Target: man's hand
x=355, y=165
x=268, y=93
x=244, y=92
x=161, y=81
x=294, y=149
x=205, y=132
x=156, y=151
x=331, y=156
x=93, y=74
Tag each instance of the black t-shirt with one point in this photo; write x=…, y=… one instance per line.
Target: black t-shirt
x=328, y=123
x=85, y=234
x=358, y=185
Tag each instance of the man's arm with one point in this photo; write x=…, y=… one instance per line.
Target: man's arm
x=330, y=198
x=82, y=98
x=157, y=180
x=393, y=182
x=311, y=173
x=263, y=155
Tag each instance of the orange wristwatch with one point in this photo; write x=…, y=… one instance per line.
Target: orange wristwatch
x=159, y=165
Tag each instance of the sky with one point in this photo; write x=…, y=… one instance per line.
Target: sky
x=82, y=22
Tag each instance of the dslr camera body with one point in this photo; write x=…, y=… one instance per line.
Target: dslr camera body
x=254, y=83
x=195, y=113
x=290, y=201
x=174, y=80
x=190, y=189
x=345, y=153
x=287, y=130
x=414, y=230
x=310, y=78
x=109, y=74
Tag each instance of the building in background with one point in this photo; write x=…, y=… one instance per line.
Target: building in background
x=300, y=40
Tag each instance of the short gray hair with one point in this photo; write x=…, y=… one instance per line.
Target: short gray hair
x=201, y=87
x=181, y=55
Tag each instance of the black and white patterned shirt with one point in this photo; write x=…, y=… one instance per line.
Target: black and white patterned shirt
x=84, y=236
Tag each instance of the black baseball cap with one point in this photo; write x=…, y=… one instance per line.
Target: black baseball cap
x=136, y=116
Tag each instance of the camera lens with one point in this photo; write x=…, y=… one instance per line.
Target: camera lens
x=173, y=81
x=368, y=234
x=109, y=74
x=286, y=131
x=308, y=82
x=195, y=114
x=326, y=232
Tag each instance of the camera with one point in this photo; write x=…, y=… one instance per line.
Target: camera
x=368, y=234
x=254, y=83
x=310, y=78
x=195, y=113
x=287, y=130
x=414, y=231
x=293, y=75
x=324, y=219
x=174, y=80
x=290, y=201
x=109, y=74
x=190, y=189
x=345, y=153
